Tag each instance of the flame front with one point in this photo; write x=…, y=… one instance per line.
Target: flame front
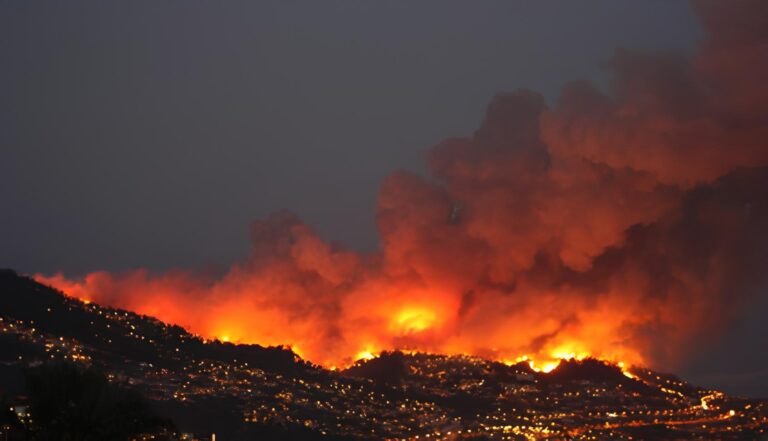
x=362, y=326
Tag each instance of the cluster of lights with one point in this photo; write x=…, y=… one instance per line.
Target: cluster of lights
x=336, y=404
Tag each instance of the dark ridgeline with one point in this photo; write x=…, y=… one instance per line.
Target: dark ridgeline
x=86, y=372
x=45, y=387
x=24, y=299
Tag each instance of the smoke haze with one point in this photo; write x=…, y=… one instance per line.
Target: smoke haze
x=630, y=225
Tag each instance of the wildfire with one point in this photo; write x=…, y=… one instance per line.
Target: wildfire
x=418, y=327
x=549, y=363
x=547, y=367
x=613, y=226
x=625, y=371
x=364, y=355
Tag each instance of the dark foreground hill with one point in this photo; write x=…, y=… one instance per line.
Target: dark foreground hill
x=248, y=392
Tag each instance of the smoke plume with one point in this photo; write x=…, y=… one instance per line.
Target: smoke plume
x=623, y=225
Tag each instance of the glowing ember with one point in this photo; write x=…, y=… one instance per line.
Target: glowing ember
x=547, y=367
x=365, y=355
x=625, y=371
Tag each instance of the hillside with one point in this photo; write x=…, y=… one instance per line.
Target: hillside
x=245, y=392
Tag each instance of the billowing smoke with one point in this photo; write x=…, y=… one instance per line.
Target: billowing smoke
x=620, y=225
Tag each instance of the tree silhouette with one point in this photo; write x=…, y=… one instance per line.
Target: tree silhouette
x=72, y=403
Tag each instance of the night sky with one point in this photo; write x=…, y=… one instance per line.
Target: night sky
x=146, y=134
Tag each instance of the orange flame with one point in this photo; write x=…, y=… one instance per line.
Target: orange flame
x=425, y=323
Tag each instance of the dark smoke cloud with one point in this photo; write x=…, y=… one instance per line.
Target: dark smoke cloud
x=622, y=225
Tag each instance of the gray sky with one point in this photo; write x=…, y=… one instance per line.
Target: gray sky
x=150, y=134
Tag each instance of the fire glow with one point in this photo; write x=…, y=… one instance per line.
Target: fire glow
x=616, y=226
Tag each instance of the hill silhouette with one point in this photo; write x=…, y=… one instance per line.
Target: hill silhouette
x=248, y=392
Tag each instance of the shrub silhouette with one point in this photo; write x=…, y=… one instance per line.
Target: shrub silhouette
x=73, y=403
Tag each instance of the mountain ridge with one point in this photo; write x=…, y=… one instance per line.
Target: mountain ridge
x=249, y=391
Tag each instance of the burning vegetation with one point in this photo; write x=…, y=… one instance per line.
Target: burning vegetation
x=616, y=226
x=246, y=392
